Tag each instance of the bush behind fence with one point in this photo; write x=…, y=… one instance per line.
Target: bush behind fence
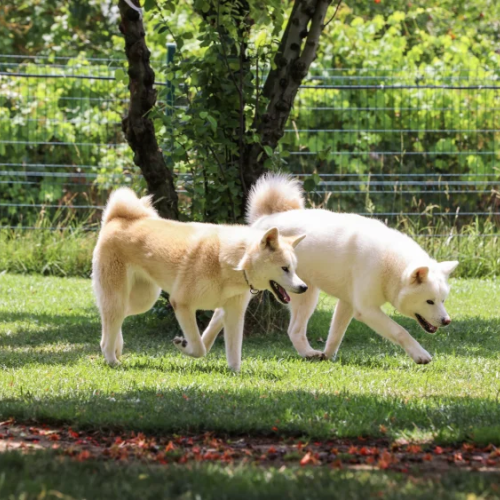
x=417, y=149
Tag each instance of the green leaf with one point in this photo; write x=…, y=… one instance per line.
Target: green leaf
x=120, y=75
x=269, y=150
x=323, y=155
x=203, y=115
x=309, y=184
x=213, y=122
x=149, y=5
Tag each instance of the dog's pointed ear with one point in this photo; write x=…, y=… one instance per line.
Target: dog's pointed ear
x=270, y=239
x=419, y=275
x=448, y=266
x=295, y=241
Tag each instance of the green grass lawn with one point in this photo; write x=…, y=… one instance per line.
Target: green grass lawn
x=48, y=477
x=53, y=371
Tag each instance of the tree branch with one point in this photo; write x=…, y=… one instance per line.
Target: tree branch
x=137, y=126
x=282, y=84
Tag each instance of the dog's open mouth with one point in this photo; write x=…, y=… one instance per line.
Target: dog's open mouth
x=426, y=325
x=280, y=292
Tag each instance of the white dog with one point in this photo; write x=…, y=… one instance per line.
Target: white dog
x=360, y=261
x=201, y=266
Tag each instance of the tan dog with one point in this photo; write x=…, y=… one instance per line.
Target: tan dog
x=201, y=266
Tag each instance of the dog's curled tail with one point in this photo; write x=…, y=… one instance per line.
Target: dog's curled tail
x=124, y=203
x=273, y=193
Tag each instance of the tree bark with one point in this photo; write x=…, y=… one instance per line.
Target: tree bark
x=137, y=126
x=293, y=60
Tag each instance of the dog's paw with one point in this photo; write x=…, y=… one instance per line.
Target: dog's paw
x=421, y=357
x=195, y=350
x=181, y=343
x=313, y=355
x=113, y=363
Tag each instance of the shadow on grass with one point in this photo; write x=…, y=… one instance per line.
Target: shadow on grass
x=239, y=410
x=150, y=333
x=30, y=329
x=47, y=475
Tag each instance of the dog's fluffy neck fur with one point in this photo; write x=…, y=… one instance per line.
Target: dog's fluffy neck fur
x=401, y=257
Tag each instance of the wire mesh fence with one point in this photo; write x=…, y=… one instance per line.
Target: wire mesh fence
x=420, y=151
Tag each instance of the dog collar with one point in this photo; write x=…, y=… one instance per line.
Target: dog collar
x=253, y=290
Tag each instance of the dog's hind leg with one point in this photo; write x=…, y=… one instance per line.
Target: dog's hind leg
x=111, y=294
x=234, y=320
x=302, y=306
x=191, y=344
x=340, y=321
x=213, y=329
x=112, y=339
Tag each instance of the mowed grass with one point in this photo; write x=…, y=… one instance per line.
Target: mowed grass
x=48, y=476
x=53, y=371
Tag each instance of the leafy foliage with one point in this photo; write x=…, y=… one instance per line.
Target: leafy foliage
x=34, y=27
x=416, y=127
x=422, y=44
x=216, y=81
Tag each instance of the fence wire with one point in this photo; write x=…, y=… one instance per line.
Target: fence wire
x=418, y=148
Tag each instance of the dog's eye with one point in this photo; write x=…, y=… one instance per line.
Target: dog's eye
x=285, y=269
x=431, y=302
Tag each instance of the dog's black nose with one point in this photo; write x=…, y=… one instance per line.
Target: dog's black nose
x=302, y=288
x=446, y=321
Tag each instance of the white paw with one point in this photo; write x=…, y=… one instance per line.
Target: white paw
x=183, y=345
x=314, y=355
x=110, y=354
x=331, y=357
x=420, y=356
x=111, y=360
x=118, y=351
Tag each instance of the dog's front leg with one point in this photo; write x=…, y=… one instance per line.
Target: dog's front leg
x=234, y=320
x=391, y=330
x=340, y=321
x=302, y=307
x=191, y=344
x=213, y=329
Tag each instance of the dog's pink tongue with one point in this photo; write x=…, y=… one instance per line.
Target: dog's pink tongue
x=285, y=295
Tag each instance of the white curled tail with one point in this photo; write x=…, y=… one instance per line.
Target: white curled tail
x=274, y=193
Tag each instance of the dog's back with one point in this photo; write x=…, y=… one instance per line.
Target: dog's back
x=340, y=249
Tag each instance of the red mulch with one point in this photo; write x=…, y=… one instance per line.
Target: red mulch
x=360, y=453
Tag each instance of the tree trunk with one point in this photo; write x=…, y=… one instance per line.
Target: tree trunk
x=292, y=65
x=137, y=126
